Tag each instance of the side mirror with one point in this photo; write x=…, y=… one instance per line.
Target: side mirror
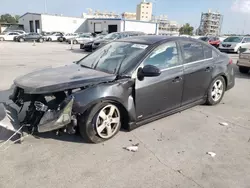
x=148, y=71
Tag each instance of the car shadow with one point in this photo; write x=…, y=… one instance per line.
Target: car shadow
x=78, y=51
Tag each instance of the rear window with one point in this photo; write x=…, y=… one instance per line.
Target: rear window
x=233, y=39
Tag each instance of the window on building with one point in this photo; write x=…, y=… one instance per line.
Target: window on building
x=193, y=51
x=164, y=56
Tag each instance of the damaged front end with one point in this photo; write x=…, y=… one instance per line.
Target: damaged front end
x=45, y=112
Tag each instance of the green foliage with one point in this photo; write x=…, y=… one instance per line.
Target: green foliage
x=7, y=18
x=186, y=29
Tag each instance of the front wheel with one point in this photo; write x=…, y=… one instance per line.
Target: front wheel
x=21, y=40
x=41, y=40
x=216, y=91
x=74, y=42
x=244, y=70
x=100, y=123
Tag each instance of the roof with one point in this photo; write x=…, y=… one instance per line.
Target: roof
x=29, y=13
x=147, y=39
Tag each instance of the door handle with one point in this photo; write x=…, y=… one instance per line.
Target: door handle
x=177, y=79
x=208, y=69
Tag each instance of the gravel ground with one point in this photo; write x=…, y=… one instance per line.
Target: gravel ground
x=172, y=151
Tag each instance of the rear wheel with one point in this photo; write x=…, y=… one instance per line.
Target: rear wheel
x=41, y=40
x=216, y=91
x=50, y=39
x=244, y=70
x=1, y=39
x=21, y=40
x=100, y=123
x=74, y=42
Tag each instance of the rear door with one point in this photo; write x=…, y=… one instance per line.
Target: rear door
x=198, y=66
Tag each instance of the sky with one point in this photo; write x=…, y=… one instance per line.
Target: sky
x=236, y=12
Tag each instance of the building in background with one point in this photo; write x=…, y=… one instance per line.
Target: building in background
x=144, y=11
x=35, y=22
x=100, y=14
x=129, y=15
x=166, y=27
x=210, y=24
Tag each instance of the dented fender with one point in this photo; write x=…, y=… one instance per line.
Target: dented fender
x=121, y=91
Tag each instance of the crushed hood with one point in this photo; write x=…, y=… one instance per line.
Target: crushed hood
x=61, y=78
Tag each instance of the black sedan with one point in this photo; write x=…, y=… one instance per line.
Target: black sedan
x=125, y=83
x=30, y=37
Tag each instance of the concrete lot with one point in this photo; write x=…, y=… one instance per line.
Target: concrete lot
x=172, y=151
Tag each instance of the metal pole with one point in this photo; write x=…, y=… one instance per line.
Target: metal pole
x=45, y=6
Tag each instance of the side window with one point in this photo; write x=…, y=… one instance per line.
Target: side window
x=247, y=40
x=192, y=51
x=208, y=52
x=164, y=56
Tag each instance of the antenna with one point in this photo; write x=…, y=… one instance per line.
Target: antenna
x=45, y=6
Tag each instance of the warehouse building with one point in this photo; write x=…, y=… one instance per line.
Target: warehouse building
x=98, y=25
x=33, y=22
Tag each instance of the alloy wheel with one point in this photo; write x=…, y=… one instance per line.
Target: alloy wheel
x=108, y=121
x=217, y=90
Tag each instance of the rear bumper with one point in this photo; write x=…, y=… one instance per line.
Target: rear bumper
x=230, y=78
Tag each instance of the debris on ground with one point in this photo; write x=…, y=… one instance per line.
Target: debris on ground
x=130, y=140
x=133, y=148
x=212, y=154
x=223, y=124
x=179, y=171
x=161, y=138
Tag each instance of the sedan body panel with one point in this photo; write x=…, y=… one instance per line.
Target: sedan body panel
x=157, y=94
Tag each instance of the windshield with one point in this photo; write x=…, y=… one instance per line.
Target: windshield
x=111, y=36
x=113, y=56
x=233, y=39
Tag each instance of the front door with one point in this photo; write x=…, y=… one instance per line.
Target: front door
x=198, y=67
x=154, y=95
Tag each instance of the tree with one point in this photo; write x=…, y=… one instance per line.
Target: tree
x=7, y=18
x=186, y=29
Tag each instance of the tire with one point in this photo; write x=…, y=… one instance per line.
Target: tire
x=243, y=70
x=215, y=95
x=92, y=119
x=1, y=39
x=238, y=51
x=41, y=40
x=75, y=42
x=50, y=39
x=21, y=40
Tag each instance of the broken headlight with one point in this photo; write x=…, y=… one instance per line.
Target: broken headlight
x=56, y=119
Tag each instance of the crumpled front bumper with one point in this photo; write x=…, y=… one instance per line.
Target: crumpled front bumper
x=9, y=118
x=51, y=120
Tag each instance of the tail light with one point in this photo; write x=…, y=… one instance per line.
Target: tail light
x=230, y=62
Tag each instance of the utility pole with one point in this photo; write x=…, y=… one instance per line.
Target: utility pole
x=45, y=6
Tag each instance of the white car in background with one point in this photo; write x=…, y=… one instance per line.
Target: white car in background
x=53, y=37
x=82, y=39
x=233, y=44
x=68, y=36
x=8, y=36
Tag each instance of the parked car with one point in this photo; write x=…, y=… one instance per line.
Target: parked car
x=8, y=36
x=244, y=59
x=82, y=39
x=67, y=36
x=30, y=37
x=233, y=44
x=87, y=46
x=114, y=36
x=125, y=83
x=53, y=37
x=214, y=41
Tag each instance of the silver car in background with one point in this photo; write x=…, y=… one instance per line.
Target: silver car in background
x=233, y=44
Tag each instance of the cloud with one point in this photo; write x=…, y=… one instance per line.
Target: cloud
x=242, y=6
